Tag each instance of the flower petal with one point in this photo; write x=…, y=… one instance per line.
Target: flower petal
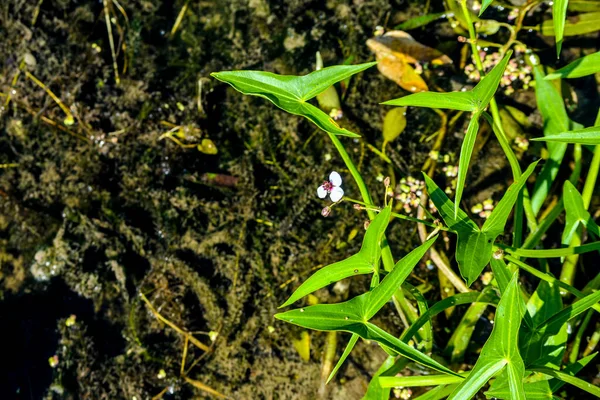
x=335, y=179
x=336, y=194
x=321, y=192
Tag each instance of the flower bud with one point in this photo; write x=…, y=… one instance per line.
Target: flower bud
x=326, y=211
x=357, y=207
x=386, y=181
x=367, y=223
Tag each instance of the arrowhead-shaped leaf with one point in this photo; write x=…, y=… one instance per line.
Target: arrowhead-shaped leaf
x=473, y=247
x=501, y=350
x=353, y=315
x=363, y=262
x=291, y=93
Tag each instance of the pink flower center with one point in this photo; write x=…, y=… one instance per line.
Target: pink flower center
x=328, y=186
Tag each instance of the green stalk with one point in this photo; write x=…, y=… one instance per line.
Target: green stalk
x=577, y=342
x=500, y=134
x=386, y=253
x=593, y=342
x=567, y=273
x=590, y=180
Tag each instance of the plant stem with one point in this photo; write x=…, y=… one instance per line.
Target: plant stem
x=592, y=176
x=386, y=253
x=530, y=215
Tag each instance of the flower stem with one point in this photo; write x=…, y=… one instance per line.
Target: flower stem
x=386, y=253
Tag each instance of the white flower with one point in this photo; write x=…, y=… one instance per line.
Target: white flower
x=332, y=186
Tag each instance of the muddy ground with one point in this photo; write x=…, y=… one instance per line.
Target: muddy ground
x=96, y=212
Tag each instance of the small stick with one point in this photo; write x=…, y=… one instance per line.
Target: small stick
x=69, y=120
x=177, y=329
x=179, y=18
x=111, y=41
x=202, y=386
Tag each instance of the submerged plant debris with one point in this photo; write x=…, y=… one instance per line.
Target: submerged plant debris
x=150, y=216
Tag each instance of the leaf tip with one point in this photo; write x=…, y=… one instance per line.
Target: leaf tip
x=286, y=303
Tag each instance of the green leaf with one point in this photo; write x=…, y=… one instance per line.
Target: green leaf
x=583, y=66
x=385, y=290
x=363, y=262
x=568, y=313
x=485, y=89
x=554, y=114
x=484, y=5
x=390, y=367
x=473, y=247
x=438, y=393
x=542, y=346
x=291, y=93
x=456, y=347
x=549, y=278
x=382, y=337
x=457, y=222
x=539, y=390
x=555, y=253
x=571, y=369
x=576, y=213
x=419, y=21
x=353, y=315
x=466, y=151
x=496, y=222
x=589, y=135
x=584, y=23
x=488, y=297
x=475, y=100
x=347, y=316
x=426, y=332
x=559, y=15
x=501, y=350
x=580, y=383
x=345, y=355
x=501, y=272
x=419, y=380
x=463, y=101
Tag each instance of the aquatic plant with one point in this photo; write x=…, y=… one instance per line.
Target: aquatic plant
x=532, y=350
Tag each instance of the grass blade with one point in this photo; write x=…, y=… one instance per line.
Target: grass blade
x=462, y=101
x=583, y=66
x=589, y=135
x=501, y=350
x=466, y=151
x=559, y=15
